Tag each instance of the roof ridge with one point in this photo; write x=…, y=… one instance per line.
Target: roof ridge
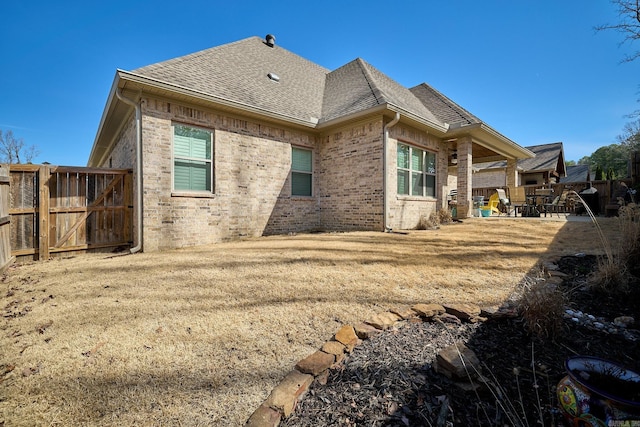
x=452, y=105
x=375, y=89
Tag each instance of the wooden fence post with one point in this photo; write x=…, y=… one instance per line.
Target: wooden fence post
x=43, y=212
x=5, y=220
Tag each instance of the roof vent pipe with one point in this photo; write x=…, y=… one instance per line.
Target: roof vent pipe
x=270, y=39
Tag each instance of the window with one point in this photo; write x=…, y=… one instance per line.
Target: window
x=192, y=159
x=301, y=172
x=416, y=172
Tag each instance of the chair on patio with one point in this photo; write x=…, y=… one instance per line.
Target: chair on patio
x=494, y=202
x=560, y=204
x=504, y=201
x=518, y=199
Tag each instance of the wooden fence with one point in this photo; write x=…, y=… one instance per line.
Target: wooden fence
x=57, y=209
x=5, y=220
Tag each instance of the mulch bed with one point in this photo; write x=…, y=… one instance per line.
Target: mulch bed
x=389, y=380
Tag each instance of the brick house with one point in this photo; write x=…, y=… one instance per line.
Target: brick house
x=249, y=139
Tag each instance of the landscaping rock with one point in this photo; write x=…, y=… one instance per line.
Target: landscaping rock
x=405, y=312
x=284, y=397
x=463, y=311
x=383, y=320
x=333, y=347
x=347, y=336
x=449, y=362
x=448, y=318
x=365, y=331
x=316, y=363
x=624, y=321
x=489, y=311
x=428, y=310
x=264, y=416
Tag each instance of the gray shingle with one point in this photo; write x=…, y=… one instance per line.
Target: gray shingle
x=238, y=72
x=442, y=107
x=546, y=159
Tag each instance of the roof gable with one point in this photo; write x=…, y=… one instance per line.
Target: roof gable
x=548, y=157
x=357, y=86
x=238, y=72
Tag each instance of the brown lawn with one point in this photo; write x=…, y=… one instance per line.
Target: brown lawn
x=200, y=336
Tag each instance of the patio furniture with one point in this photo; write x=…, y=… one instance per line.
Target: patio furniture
x=558, y=205
x=517, y=199
x=504, y=200
x=494, y=202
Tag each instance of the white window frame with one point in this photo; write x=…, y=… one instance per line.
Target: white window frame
x=187, y=192
x=424, y=173
x=296, y=171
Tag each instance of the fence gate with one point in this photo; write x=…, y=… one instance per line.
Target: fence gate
x=58, y=209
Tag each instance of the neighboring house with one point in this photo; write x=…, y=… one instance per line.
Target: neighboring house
x=547, y=167
x=577, y=174
x=249, y=139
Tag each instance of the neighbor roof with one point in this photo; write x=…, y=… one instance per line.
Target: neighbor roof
x=549, y=157
x=577, y=173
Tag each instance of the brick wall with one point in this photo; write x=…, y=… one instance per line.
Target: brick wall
x=252, y=188
x=405, y=211
x=251, y=179
x=350, y=172
x=491, y=178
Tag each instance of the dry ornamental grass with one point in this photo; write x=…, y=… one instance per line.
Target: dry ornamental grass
x=200, y=336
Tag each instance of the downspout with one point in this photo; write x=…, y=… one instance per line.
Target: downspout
x=385, y=138
x=135, y=105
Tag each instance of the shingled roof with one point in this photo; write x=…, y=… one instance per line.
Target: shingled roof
x=358, y=86
x=263, y=80
x=442, y=107
x=549, y=157
x=238, y=72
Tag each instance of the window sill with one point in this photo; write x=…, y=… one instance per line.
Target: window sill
x=416, y=198
x=303, y=198
x=193, y=195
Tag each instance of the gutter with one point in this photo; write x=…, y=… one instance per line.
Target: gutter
x=385, y=138
x=136, y=106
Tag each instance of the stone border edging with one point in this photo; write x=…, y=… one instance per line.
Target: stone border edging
x=285, y=396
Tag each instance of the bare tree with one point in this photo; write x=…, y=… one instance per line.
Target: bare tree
x=13, y=150
x=629, y=25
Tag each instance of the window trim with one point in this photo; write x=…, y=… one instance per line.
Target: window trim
x=192, y=193
x=423, y=172
x=295, y=147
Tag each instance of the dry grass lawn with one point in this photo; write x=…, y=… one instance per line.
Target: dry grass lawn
x=200, y=336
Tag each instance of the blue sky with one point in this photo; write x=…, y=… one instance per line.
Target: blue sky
x=536, y=71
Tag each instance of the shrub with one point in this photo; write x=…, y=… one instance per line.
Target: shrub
x=443, y=216
x=542, y=308
x=619, y=270
x=428, y=223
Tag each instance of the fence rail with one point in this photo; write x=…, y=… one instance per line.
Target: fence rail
x=56, y=209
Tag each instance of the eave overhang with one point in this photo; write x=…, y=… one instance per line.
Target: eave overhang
x=485, y=136
x=133, y=85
